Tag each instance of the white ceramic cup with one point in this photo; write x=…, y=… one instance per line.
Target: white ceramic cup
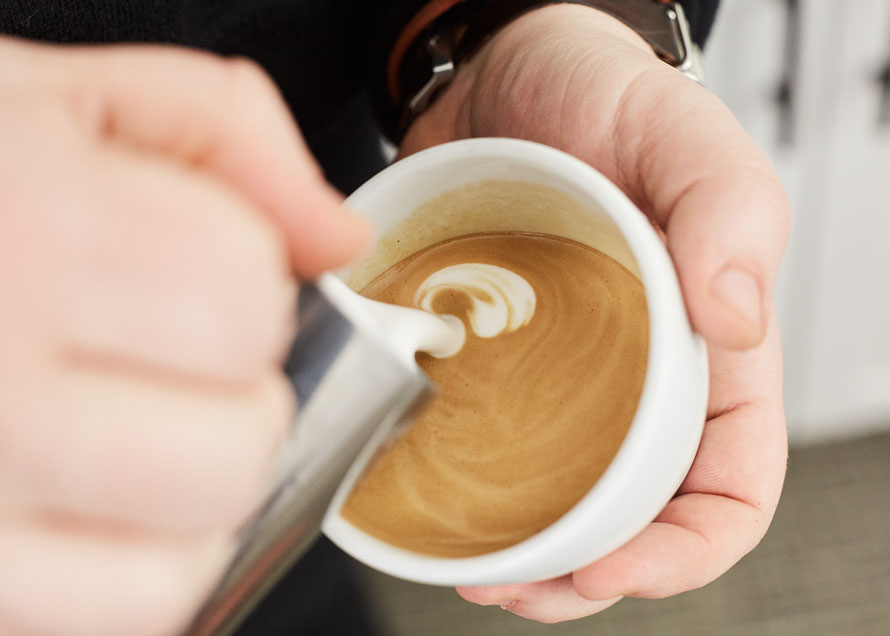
x=505, y=184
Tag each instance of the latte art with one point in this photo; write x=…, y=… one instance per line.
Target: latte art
x=524, y=423
x=501, y=301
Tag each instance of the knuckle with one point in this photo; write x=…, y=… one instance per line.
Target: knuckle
x=592, y=588
x=548, y=619
x=254, y=95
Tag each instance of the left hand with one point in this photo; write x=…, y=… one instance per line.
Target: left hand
x=574, y=78
x=156, y=207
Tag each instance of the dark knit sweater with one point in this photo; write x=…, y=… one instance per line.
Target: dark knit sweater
x=325, y=55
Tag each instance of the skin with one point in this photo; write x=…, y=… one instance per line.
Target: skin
x=157, y=207
x=576, y=79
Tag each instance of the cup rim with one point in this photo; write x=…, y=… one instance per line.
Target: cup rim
x=659, y=281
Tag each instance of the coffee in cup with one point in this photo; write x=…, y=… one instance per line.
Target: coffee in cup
x=527, y=418
x=498, y=188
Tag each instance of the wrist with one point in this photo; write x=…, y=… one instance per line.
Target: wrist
x=552, y=24
x=418, y=73
x=532, y=41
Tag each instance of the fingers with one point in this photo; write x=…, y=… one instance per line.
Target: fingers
x=720, y=513
x=716, y=195
x=172, y=270
x=726, y=502
x=223, y=116
x=551, y=601
x=144, y=451
x=124, y=584
x=134, y=257
x=148, y=304
x=147, y=312
x=696, y=539
x=142, y=383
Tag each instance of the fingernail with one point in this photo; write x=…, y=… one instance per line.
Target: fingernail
x=507, y=604
x=740, y=292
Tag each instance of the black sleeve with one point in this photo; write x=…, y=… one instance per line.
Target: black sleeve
x=701, y=18
x=396, y=14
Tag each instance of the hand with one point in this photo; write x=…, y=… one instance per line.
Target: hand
x=576, y=79
x=155, y=207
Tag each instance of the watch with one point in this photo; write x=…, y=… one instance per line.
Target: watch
x=430, y=61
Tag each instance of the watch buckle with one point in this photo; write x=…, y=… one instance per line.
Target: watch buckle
x=440, y=47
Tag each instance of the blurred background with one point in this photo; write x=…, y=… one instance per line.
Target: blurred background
x=810, y=81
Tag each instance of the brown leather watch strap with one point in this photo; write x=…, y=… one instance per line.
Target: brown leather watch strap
x=488, y=16
x=408, y=36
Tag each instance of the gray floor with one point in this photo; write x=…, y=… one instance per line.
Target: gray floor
x=823, y=569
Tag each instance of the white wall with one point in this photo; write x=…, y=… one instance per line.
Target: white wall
x=833, y=295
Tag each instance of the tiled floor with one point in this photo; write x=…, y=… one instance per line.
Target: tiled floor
x=823, y=570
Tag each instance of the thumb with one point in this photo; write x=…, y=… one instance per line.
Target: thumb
x=723, y=209
x=726, y=235
x=224, y=117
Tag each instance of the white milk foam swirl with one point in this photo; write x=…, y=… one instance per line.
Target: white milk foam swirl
x=502, y=301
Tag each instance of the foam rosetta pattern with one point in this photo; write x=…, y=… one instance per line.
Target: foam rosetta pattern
x=501, y=301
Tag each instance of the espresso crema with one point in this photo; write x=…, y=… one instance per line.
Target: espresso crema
x=532, y=409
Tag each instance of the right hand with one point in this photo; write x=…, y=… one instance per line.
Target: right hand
x=580, y=80
x=156, y=207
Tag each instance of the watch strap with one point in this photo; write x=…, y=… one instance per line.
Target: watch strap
x=650, y=18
